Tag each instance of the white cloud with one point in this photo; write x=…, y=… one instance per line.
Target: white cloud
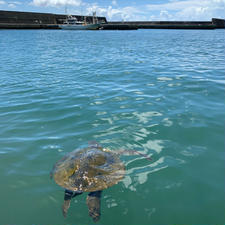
x=172, y=10
x=10, y=4
x=56, y=3
x=115, y=13
x=126, y=13
x=188, y=10
x=114, y=2
x=165, y=15
x=13, y=4
x=180, y=5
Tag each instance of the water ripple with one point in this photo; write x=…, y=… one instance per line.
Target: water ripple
x=158, y=92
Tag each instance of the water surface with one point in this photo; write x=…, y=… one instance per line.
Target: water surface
x=160, y=92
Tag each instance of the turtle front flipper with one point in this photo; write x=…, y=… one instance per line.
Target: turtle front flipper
x=132, y=152
x=94, y=205
x=67, y=198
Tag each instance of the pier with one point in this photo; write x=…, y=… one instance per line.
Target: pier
x=31, y=20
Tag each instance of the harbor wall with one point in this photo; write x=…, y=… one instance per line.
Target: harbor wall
x=214, y=24
x=32, y=20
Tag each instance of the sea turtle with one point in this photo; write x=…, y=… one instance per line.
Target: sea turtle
x=90, y=169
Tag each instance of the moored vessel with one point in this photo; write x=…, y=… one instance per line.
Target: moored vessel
x=72, y=23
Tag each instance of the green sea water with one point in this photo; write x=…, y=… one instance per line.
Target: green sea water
x=159, y=92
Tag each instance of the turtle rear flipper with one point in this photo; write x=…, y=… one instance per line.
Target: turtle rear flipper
x=65, y=207
x=94, y=205
x=67, y=198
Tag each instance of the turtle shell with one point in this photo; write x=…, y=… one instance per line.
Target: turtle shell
x=89, y=169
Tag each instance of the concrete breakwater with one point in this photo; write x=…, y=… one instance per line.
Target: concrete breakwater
x=30, y=20
x=213, y=24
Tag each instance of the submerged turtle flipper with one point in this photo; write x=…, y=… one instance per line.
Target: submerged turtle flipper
x=132, y=152
x=67, y=198
x=65, y=207
x=94, y=205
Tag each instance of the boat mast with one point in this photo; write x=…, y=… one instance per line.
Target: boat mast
x=66, y=9
x=94, y=18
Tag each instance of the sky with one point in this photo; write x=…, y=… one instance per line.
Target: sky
x=125, y=10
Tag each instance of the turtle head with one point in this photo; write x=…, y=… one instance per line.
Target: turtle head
x=94, y=144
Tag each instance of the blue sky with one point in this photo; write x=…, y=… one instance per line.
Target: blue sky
x=127, y=10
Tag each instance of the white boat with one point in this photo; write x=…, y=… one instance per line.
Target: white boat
x=72, y=23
